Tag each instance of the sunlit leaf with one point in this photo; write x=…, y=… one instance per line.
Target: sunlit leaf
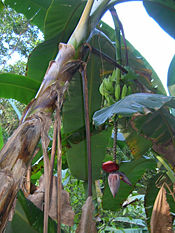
x=142, y=103
x=62, y=17
x=18, y=87
x=44, y=53
x=34, y=10
x=58, y=28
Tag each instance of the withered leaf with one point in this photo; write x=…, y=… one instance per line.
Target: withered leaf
x=87, y=223
x=161, y=220
x=67, y=214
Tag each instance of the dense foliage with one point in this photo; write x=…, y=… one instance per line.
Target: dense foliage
x=131, y=118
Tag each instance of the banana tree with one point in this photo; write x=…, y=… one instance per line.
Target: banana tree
x=79, y=43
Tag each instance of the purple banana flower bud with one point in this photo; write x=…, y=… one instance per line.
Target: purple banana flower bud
x=114, y=182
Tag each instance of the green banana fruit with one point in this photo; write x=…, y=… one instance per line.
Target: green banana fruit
x=117, y=92
x=118, y=76
x=102, y=89
x=108, y=85
x=113, y=76
x=124, y=91
x=129, y=91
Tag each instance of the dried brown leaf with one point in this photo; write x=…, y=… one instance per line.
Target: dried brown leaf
x=161, y=220
x=87, y=223
x=67, y=214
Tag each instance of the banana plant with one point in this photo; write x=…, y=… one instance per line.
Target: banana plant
x=84, y=41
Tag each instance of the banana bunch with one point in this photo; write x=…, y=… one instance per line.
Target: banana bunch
x=113, y=88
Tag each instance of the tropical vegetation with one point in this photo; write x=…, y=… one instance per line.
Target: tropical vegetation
x=94, y=148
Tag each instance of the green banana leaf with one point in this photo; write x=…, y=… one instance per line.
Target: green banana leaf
x=62, y=18
x=73, y=109
x=34, y=10
x=18, y=87
x=171, y=77
x=40, y=57
x=19, y=222
x=142, y=103
x=134, y=171
x=77, y=156
x=151, y=124
x=30, y=216
x=163, y=12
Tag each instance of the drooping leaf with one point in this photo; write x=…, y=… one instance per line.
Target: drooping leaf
x=151, y=194
x=87, y=223
x=161, y=219
x=171, y=77
x=37, y=198
x=163, y=12
x=34, y=10
x=134, y=171
x=148, y=124
x=139, y=103
x=18, y=87
x=77, y=156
